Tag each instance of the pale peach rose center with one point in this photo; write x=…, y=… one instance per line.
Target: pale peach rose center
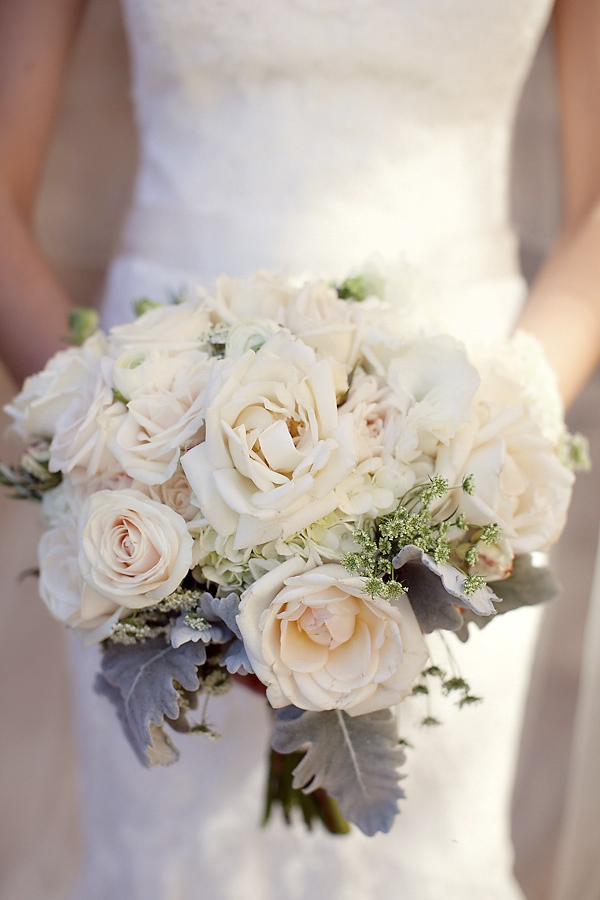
x=133, y=553
x=324, y=626
x=274, y=438
x=336, y=632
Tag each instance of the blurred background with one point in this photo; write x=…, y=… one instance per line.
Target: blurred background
x=83, y=198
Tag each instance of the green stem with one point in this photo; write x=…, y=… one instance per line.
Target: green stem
x=316, y=805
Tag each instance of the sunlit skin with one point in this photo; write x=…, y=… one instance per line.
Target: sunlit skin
x=35, y=43
x=564, y=307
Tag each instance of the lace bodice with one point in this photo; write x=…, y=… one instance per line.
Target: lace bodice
x=311, y=133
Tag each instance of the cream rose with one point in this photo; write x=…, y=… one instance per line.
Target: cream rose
x=249, y=334
x=517, y=371
x=434, y=385
x=80, y=439
x=177, y=328
x=316, y=640
x=176, y=493
x=275, y=447
x=62, y=588
x=165, y=412
x=379, y=480
x=519, y=482
x=261, y=294
x=45, y=396
x=324, y=322
x=132, y=550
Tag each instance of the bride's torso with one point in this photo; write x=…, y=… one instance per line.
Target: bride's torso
x=311, y=134
x=308, y=135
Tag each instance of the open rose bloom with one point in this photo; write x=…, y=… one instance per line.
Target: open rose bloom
x=288, y=482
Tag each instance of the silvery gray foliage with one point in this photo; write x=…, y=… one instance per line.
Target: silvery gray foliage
x=214, y=629
x=113, y=694
x=220, y=614
x=226, y=609
x=528, y=585
x=235, y=659
x=435, y=589
x=144, y=674
x=355, y=760
x=431, y=603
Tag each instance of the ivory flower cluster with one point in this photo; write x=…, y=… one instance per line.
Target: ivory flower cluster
x=236, y=442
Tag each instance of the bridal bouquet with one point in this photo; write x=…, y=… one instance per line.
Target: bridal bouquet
x=294, y=484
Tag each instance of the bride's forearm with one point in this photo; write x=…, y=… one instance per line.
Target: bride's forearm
x=564, y=306
x=564, y=309
x=33, y=306
x=35, y=44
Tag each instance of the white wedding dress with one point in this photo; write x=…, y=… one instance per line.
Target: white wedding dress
x=308, y=135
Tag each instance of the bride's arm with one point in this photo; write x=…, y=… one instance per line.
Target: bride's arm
x=564, y=307
x=35, y=39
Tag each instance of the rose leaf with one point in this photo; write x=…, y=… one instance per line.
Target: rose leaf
x=354, y=759
x=144, y=675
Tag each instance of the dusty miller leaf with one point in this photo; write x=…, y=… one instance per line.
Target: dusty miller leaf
x=144, y=674
x=355, y=760
x=113, y=694
x=431, y=603
x=222, y=609
x=235, y=658
x=452, y=581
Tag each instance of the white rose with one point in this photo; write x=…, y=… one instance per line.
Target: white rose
x=275, y=447
x=372, y=404
x=67, y=499
x=519, y=482
x=146, y=435
x=176, y=493
x=177, y=328
x=261, y=294
x=80, y=440
x=316, y=640
x=132, y=549
x=62, y=588
x=434, y=385
x=517, y=371
x=324, y=322
x=45, y=396
x=249, y=334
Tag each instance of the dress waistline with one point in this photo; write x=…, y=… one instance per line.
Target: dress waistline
x=304, y=243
